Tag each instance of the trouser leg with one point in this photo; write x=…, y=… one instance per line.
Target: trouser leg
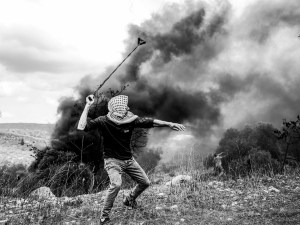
x=115, y=175
x=135, y=171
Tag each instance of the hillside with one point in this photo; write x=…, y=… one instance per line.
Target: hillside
x=29, y=126
x=250, y=201
x=12, y=150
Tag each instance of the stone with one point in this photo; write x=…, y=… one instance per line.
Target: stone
x=234, y=203
x=3, y=222
x=174, y=207
x=180, y=179
x=43, y=193
x=272, y=189
x=161, y=195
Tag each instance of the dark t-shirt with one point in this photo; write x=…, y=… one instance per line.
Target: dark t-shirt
x=116, y=138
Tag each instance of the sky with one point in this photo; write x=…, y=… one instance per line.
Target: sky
x=47, y=46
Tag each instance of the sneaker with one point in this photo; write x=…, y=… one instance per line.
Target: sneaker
x=130, y=202
x=104, y=220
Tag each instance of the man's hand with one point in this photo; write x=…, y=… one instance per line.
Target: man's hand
x=177, y=126
x=90, y=100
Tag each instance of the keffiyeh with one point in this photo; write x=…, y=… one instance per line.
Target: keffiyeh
x=119, y=111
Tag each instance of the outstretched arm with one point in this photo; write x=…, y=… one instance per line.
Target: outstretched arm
x=173, y=126
x=83, y=118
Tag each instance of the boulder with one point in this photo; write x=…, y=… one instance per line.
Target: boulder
x=180, y=179
x=43, y=193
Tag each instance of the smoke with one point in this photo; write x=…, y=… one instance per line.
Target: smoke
x=211, y=69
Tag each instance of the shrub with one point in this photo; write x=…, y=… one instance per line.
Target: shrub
x=252, y=149
x=208, y=162
x=71, y=180
x=8, y=174
x=261, y=161
x=22, y=142
x=10, y=178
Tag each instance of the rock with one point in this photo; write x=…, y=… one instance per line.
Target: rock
x=43, y=193
x=179, y=180
x=215, y=184
x=157, y=181
x=174, y=207
x=161, y=195
x=234, y=204
x=2, y=222
x=272, y=189
x=159, y=208
x=168, y=183
x=182, y=220
x=297, y=189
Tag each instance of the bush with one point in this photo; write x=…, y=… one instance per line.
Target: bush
x=28, y=184
x=10, y=177
x=252, y=149
x=261, y=161
x=71, y=180
x=9, y=174
x=22, y=142
x=208, y=162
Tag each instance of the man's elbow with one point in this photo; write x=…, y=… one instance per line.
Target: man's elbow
x=80, y=128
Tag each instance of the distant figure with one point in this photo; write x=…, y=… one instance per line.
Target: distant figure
x=116, y=128
x=218, y=164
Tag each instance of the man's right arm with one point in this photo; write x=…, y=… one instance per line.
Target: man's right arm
x=83, y=118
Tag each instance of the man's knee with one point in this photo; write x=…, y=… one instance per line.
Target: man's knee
x=116, y=184
x=115, y=179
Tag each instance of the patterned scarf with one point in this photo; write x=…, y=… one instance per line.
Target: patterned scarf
x=119, y=111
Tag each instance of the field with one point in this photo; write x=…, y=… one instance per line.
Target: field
x=256, y=199
x=12, y=150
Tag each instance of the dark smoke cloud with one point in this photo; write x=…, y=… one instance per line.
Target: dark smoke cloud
x=264, y=18
x=184, y=37
x=204, y=67
x=174, y=104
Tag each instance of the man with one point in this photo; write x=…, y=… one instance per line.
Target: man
x=117, y=127
x=218, y=164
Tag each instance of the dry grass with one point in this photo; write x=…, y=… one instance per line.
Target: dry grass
x=252, y=200
x=257, y=199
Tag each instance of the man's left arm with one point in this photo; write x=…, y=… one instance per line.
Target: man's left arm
x=173, y=126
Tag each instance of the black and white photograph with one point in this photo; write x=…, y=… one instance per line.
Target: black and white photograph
x=150, y=112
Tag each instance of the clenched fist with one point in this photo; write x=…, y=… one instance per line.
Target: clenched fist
x=90, y=100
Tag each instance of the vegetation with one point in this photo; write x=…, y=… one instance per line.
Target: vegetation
x=251, y=150
x=254, y=189
x=255, y=199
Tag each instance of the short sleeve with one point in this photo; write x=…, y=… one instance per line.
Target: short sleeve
x=144, y=122
x=94, y=124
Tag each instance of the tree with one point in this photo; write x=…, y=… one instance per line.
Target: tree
x=241, y=147
x=290, y=135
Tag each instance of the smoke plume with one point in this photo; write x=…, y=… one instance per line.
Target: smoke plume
x=210, y=69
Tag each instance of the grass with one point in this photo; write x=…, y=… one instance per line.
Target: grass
x=253, y=200
x=256, y=199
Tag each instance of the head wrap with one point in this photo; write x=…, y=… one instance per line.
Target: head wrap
x=119, y=111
